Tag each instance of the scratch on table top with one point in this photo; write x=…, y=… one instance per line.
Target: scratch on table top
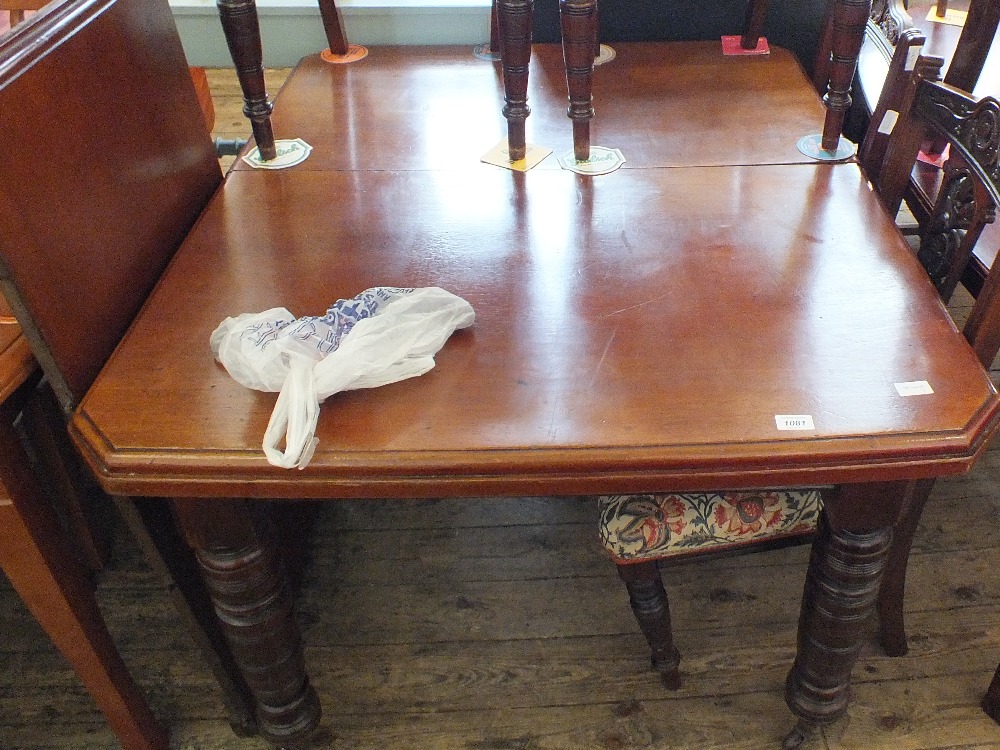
x=604, y=356
x=636, y=305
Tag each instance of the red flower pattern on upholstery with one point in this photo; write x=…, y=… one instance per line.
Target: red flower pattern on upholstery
x=634, y=528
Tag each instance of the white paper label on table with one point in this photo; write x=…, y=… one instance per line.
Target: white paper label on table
x=914, y=388
x=794, y=421
x=602, y=160
x=290, y=153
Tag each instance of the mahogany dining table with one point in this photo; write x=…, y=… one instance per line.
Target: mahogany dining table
x=720, y=312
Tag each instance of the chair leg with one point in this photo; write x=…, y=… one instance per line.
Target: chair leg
x=892, y=630
x=152, y=525
x=652, y=610
x=74, y=493
x=333, y=27
x=37, y=559
x=991, y=701
x=753, y=28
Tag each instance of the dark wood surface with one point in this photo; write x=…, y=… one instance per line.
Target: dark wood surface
x=584, y=372
x=531, y=283
x=465, y=622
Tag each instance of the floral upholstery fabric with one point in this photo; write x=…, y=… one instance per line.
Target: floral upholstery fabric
x=636, y=528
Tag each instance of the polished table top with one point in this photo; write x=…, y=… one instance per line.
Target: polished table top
x=636, y=331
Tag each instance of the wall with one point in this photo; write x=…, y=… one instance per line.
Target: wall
x=291, y=29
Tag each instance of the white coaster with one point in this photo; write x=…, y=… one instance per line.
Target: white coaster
x=602, y=161
x=606, y=55
x=812, y=146
x=290, y=153
x=484, y=52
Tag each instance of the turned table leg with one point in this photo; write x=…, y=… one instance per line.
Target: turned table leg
x=841, y=591
x=242, y=29
x=753, y=27
x=514, y=22
x=848, y=29
x=578, y=19
x=239, y=560
x=333, y=27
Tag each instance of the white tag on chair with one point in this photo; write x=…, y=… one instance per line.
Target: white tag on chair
x=912, y=55
x=888, y=121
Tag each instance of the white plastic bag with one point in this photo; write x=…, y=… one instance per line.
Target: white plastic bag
x=381, y=336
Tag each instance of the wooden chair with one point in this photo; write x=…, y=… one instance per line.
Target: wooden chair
x=965, y=53
x=512, y=23
x=16, y=9
x=134, y=171
x=964, y=69
x=966, y=200
x=642, y=533
x=241, y=26
x=41, y=564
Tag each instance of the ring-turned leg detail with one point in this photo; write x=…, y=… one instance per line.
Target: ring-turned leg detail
x=246, y=581
x=578, y=19
x=839, y=599
x=652, y=611
x=514, y=22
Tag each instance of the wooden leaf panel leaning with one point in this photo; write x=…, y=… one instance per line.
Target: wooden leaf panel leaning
x=38, y=559
x=90, y=215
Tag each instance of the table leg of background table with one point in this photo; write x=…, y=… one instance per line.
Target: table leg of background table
x=841, y=590
x=239, y=559
x=849, y=20
x=514, y=23
x=241, y=26
x=578, y=19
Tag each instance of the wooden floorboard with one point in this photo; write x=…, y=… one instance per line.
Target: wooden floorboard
x=471, y=625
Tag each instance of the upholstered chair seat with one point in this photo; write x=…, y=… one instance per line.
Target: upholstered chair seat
x=640, y=531
x=636, y=528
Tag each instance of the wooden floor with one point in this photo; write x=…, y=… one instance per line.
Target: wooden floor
x=471, y=625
